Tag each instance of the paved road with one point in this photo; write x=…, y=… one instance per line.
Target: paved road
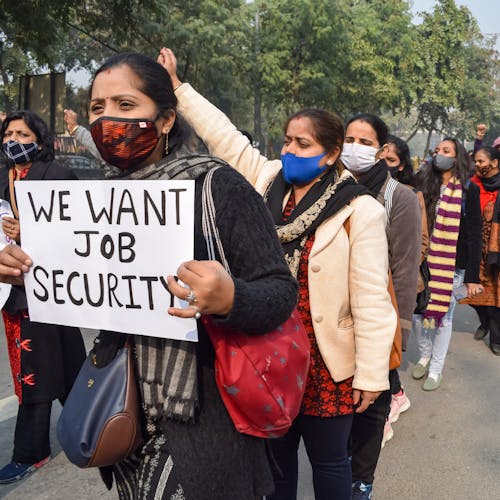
x=447, y=446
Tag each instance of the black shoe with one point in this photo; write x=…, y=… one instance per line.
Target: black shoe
x=495, y=349
x=480, y=333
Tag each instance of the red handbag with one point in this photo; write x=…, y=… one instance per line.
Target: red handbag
x=261, y=378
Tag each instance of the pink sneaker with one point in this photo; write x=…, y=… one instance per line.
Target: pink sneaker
x=388, y=432
x=399, y=404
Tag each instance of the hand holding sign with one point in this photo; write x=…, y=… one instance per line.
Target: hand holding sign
x=211, y=285
x=11, y=228
x=13, y=263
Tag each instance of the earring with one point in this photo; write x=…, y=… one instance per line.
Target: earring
x=329, y=162
x=166, y=144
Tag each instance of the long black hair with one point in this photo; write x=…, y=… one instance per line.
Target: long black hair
x=38, y=127
x=405, y=176
x=429, y=180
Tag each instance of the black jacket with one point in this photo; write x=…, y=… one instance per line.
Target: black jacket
x=50, y=355
x=470, y=236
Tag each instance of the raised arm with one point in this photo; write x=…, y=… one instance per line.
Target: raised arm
x=216, y=130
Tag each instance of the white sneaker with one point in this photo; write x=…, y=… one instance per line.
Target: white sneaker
x=399, y=404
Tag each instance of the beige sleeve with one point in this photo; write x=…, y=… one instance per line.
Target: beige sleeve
x=224, y=140
x=371, y=308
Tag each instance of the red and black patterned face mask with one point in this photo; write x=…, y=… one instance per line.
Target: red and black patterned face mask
x=124, y=142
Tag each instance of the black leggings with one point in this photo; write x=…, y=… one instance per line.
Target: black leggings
x=31, y=437
x=325, y=440
x=489, y=316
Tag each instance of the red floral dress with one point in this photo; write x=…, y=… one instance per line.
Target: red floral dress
x=323, y=396
x=14, y=342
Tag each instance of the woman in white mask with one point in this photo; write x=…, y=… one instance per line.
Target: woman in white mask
x=365, y=147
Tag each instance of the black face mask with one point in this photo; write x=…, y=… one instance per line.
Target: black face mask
x=20, y=153
x=394, y=170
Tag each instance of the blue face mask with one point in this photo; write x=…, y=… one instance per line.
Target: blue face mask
x=301, y=170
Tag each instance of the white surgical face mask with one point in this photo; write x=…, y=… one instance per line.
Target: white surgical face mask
x=358, y=158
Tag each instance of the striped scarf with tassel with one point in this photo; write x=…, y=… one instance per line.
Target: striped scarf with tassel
x=442, y=253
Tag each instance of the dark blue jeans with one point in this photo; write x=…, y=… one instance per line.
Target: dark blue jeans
x=325, y=440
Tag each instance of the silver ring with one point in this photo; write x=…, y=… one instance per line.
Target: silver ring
x=197, y=315
x=191, y=297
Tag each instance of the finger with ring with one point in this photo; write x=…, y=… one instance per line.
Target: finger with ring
x=197, y=315
x=191, y=297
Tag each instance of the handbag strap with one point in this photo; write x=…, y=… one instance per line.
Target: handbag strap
x=208, y=223
x=13, y=203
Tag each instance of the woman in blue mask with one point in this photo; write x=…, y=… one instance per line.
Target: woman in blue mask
x=44, y=358
x=333, y=236
x=454, y=221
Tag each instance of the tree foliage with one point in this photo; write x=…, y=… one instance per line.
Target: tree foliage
x=454, y=72
x=260, y=61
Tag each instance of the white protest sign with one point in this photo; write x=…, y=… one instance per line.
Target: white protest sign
x=102, y=251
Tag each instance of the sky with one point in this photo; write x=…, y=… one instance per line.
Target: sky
x=486, y=12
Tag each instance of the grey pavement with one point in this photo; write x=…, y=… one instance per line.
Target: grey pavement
x=446, y=446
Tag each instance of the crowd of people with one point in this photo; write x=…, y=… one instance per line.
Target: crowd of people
x=340, y=227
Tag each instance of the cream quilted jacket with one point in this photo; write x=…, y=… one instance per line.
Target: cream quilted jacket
x=353, y=318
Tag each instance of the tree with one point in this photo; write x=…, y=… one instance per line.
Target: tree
x=453, y=72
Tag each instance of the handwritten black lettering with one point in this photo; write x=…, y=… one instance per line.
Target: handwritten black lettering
x=56, y=285
x=112, y=286
x=43, y=297
x=177, y=203
x=47, y=214
x=98, y=302
x=124, y=209
x=63, y=206
x=71, y=277
x=131, y=305
x=124, y=247
x=86, y=252
x=106, y=213
x=160, y=215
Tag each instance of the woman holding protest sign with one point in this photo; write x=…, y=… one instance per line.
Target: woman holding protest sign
x=192, y=449
x=44, y=358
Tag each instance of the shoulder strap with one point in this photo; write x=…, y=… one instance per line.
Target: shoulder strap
x=208, y=223
x=391, y=186
x=12, y=192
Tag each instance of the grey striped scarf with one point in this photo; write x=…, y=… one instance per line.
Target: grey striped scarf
x=167, y=370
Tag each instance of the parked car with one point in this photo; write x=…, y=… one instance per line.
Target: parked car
x=84, y=167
